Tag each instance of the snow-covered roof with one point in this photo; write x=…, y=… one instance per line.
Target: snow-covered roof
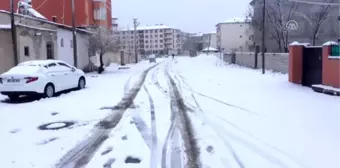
x=30, y=10
x=157, y=26
x=210, y=49
x=5, y=26
x=37, y=28
x=150, y=27
x=197, y=34
x=36, y=13
x=330, y=43
x=234, y=20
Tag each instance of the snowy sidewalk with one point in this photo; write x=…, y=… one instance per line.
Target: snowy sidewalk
x=24, y=145
x=268, y=121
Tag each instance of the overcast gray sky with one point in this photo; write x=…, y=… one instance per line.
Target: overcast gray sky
x=187, y=15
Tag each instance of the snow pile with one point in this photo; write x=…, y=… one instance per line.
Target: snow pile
x=210, y=49
x=5, y=26
x=330, y=43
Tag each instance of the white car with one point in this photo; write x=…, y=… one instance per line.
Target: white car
x=42, y=77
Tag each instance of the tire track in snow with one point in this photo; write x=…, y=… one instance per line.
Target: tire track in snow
x=82, y=153
x=220, y=130
x=191, y=149
x=188, y=87
x=203, y=117
x=154, y=147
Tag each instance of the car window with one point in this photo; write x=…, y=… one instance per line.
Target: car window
x=52, y=65
x=63, y=64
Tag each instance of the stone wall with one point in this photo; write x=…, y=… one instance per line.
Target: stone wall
x=273, y=61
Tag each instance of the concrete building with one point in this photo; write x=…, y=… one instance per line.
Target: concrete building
x=88, y=12
x=234, y=35
x=114, y=24
x=40, y=39
x=210, y=40
x=157, y=39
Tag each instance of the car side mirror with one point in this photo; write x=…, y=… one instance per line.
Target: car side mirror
x=73, y=69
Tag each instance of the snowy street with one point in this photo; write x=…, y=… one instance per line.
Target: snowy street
x=187, y=112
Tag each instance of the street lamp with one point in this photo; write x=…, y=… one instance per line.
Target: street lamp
x=263, y=35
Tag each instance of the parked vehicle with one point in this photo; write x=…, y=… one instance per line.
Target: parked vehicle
x=40, y=77
x=152, y=58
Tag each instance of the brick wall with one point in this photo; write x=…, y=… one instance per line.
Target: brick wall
x=273, y=61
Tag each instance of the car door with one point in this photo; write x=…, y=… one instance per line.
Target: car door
x=55, y=76
x=69, y=75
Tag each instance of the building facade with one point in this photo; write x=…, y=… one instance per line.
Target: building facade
x=158, y=39
x=234, y=35
x=87, y=12
x=210, y=40
x=40, y=39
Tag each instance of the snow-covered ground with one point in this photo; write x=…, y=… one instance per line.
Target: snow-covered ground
x=268, y=121
x=240, y=118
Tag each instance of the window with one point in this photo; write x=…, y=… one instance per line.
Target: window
x=156, y=41
x=146, y=41
x=62, y=42
x=156, y=35
x=156, y=46
x=335, y=51
x=150, y=31
x=146, y=46
x=146, y=31
x=161, y=41
x=63, y=64
x=100, y=14
x=160, y=30
x=27, y=51
x=49, y=50
x=51, y=65
x=161, y=46
x=156, y=31
x=160, y=35
x=146, y=36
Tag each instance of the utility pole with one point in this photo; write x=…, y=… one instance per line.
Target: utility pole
x=75, y=55
x=14, y=34
x=209, y=43
x=263, y=35
x=135, y=25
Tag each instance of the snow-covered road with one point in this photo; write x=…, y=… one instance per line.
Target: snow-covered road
x=188, y=112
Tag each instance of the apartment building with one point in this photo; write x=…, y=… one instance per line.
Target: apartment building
x=209, y=40
x=234, y=35
x=87, y=12
x=157, y=39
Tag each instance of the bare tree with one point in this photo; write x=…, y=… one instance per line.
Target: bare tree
x=102, y=41
x=278, y=13
x=317, y=20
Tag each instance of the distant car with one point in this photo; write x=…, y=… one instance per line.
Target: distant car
x=152, y=58
x=40, y=77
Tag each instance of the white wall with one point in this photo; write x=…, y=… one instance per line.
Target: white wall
x=234, y=36
x=65, y=52
x=83, y=49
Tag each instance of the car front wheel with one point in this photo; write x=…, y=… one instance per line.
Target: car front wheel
x=13, y=97
x=49, y=91
x=81, y=83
